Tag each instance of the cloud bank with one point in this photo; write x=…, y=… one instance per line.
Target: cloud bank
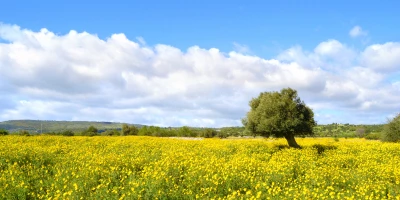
x=78, y=76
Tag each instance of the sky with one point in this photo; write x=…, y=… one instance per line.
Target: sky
x=197, y=63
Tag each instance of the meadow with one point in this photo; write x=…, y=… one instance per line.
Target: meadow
x=136, y=167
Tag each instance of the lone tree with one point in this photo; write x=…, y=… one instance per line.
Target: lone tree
x=281, y=114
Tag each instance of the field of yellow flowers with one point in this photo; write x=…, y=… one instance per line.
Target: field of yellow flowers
x=53, y=167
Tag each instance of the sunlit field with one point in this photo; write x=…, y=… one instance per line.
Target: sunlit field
x=51, y=167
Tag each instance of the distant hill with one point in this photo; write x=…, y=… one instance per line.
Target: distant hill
x=57, y=126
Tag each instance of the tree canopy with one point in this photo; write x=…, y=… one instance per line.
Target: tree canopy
x=129, y=130
x=281, y=114
x=391, y=131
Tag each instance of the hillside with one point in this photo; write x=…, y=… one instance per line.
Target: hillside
x=56, y=126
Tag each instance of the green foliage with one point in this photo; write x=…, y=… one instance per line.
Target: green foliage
x=3, y=132
x=110, y=132
x=145, y=131
x=321, y=148
x=279, y=114
x=222, y=134
x=361, y=132
x=185, y=131
x=91, y=131
x=50, y=133
x=346, y=130
x=56, y=126
x=24, y=133
x=209, y=133
x=373, y=136
x=391, y=131
x=155, y=131
x=67, y=133
x=233, y=131
x=129, y=130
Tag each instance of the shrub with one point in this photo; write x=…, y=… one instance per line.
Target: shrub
x=321, y=148
x=391, y=131
x=50, y=133
x=373, y=136
x=209, y=133
x=67, y=133
x=360, y=132
x=23, y=133
x=91, y=131
x=144, y=131
x=129, y=130
x=110, y=132
x=3, y=132
x=185, y=131
x=222, y=134
x=336, y=139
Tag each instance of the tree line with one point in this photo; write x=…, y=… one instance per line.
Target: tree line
x=271, y=114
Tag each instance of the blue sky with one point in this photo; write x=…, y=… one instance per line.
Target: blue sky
x=328, y=40
x=267, y=27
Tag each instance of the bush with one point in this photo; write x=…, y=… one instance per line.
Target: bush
x=209, y=133
x=336, y=139
x=91, y=131
x=373, y=136
x=110, y=132
x=222, y=134
x=321, y=148
x=3, y=132
x=391, y=131
x=129, y=130
x=23, y=133
x=360, y=132
x=144, y=131
x=185, y=131
x=50, y=133
x=67, y=133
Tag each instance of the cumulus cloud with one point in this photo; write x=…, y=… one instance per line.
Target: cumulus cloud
x=78, y=76
x=382, y=57
x=357, y=31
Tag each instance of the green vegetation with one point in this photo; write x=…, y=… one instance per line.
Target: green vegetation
x=129, y=130
x=328, y=130
x=391, y=131
x=280, y=114
x=23, y=133
x=347, y=130
x=372, y=132
x=111, y=132
x=3, y=132
x=91, y=131
x=272, y=114
x=38, y=126
x=209, y=133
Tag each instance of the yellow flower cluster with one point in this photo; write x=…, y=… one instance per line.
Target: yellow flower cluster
x=52, y=167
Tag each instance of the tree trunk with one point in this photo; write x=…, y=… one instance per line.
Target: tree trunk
x=292, y=141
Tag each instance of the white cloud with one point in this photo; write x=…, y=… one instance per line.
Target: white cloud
x=357, y=31
x=382, y=57
x=141, y=41
x=78, y=76
x=241, y=48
